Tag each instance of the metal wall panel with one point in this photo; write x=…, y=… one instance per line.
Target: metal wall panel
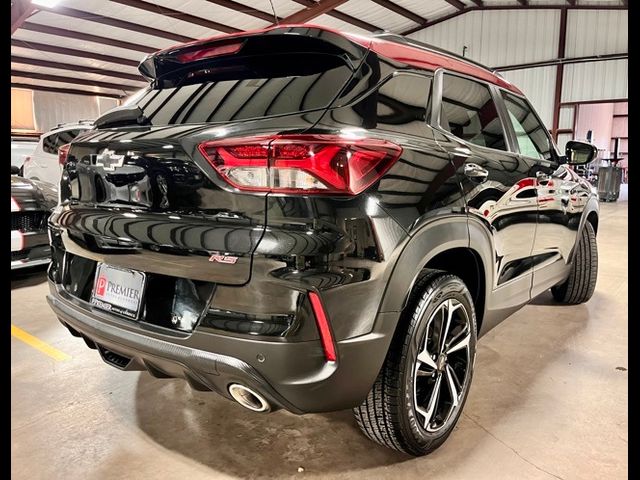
x=498, y=38
x=596, y=32
x=566, y=117
x=595, y=81
x=538, y=85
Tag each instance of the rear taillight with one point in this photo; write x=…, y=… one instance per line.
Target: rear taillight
x=319, y=164
x=63, y=153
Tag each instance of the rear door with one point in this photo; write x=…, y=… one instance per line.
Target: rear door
x=496, y=182
x=145, y=197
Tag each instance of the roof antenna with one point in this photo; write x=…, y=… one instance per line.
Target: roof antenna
x=273, y=9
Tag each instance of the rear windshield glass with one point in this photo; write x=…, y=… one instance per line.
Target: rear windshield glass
x=257, y=87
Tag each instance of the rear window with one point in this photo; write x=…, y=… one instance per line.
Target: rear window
x=249, y=88
x=51, y=143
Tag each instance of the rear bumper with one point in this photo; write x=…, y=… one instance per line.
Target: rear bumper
x=290, y=375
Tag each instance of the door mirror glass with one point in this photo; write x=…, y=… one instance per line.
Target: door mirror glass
x=580, y=153
x=15, y=170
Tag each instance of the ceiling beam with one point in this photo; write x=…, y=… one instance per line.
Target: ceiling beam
x=45, y=47
x=456, y=3
x=177, y=14
x=73, y=80
x=20, y=11
x=72, y=91
x=246, y=9
x=511, y=7
x=75, y=68
x=318, y=8
x=61, y=32
x=394, y=7
x=438, y=20
x=115, y=22
x=343, y=17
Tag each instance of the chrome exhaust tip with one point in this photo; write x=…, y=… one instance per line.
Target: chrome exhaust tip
x=249, y=398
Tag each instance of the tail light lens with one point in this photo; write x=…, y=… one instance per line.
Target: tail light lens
x=63, y=153
x=317, y=164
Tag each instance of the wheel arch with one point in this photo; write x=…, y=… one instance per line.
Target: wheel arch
x=453, y=244
x=591, y=214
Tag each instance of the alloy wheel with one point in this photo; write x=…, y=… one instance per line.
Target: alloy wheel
x=442, y=365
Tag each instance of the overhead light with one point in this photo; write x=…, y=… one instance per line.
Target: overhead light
x=45, y=3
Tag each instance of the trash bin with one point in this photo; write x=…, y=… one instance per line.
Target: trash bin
x=609, y=180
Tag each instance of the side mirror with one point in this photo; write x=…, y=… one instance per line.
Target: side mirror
x=15, y=170
x=580, y=153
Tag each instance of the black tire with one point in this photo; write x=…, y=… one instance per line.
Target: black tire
x=580, y=285
x=390, y=414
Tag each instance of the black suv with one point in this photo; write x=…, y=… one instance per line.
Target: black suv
x=304, y=219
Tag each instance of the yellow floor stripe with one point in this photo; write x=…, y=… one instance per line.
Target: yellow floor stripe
x=39, y=344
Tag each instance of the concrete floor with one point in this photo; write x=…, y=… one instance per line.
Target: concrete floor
x=548, y=400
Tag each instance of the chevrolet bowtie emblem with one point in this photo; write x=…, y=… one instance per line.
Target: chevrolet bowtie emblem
x=108, y=160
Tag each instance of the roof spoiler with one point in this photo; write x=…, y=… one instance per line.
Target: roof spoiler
x=164, y=62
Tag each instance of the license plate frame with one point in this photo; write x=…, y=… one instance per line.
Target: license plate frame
x=120, y=297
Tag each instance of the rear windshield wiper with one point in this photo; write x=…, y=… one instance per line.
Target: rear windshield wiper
x=122, y=116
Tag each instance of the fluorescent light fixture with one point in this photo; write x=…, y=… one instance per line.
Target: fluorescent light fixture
x=46, y=3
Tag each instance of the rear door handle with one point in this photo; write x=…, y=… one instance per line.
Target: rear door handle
x=475, y=172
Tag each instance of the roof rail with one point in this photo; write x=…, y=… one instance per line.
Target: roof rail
x=78, y=122
x=394, y=37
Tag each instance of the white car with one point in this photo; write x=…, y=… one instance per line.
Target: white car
x=21, y=148
x=43, y=164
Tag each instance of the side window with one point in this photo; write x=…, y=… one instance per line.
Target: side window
x=469, y=112
x=533, y=140
x=401, y=104
x=49, y=144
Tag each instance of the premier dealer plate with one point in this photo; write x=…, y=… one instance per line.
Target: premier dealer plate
x=118, y=290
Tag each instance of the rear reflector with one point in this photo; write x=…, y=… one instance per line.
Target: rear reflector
x=312, y=164
x=323, y=327
x=209, y=52
x=63, y=153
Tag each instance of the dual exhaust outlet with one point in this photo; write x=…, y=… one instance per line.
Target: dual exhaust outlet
x=249, y=398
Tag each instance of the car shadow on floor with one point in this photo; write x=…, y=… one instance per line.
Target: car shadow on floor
x=232, y=440
x=28, y=277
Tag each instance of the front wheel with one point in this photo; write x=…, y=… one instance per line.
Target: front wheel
x=421, y=389
x=581, y=284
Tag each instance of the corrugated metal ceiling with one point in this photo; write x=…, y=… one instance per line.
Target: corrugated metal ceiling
x=62, y=34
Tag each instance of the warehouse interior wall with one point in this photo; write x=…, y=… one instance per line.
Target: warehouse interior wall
x=22, y=110
x=500, y=38
x=51, y=108
x=40, y=111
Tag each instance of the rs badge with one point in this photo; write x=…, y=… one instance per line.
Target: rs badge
x=223, y=259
